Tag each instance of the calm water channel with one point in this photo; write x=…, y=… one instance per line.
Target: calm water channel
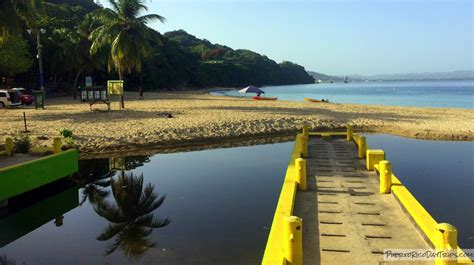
x=218, y=207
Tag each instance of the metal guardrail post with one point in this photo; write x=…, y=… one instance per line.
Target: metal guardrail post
x=349, y=132
x=300, y=173
x=293, y=248
x=385, y=170
x=9, y=146
x=447, y=243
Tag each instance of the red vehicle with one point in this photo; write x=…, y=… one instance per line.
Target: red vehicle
x=25, y=95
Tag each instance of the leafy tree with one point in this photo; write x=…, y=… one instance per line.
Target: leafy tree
x=14, y=56
x=131, y=217
x=14, y=13
x=83, y=38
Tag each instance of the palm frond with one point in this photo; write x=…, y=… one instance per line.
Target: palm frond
x=111, y=231
x=150, y=17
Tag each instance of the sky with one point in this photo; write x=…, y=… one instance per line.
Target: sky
x=334, y=37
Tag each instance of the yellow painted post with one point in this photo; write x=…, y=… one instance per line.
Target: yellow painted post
x=9, y=146
x=300, y=173
x=298, y=145
x=447, y=242
x=362, y=146
x=349, y=133
x=305, y=131
x=373, y=157
x=293, y=248
x=385, y=170
x=304, y=146
x=57, y=145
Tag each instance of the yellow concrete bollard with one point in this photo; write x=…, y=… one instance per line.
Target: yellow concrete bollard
x=306, y=131
x=362, y=144
x=300, y=173
x=385, y=170
x=57, y=145
x=304, y=146
x=9, y=146
x=293, y=248
x=349, y=132
x=373, y=157
x=447, y=242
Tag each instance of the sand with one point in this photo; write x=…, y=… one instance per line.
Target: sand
x=199, y=117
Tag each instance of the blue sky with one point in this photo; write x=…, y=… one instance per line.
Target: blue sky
x=334, y=37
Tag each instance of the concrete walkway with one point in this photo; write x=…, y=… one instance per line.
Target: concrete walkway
x=6, y=161
x=345, y=219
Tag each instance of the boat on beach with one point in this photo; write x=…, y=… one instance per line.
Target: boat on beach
x=263, y=98
x=315, y=100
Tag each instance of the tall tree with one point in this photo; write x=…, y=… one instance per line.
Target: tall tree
x=15, y=12
x=125, y=31
x=14, y=56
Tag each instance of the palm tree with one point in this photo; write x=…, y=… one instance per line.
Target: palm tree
x=125, y=32
x=14, y=12
x=94, y=178
x=95, y=190
x=131, y=218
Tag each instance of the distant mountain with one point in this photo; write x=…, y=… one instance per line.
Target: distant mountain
x=325, y=78
x=455, y=75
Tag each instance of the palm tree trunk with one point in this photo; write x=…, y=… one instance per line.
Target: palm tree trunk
x=74, y=87
x=122, y=101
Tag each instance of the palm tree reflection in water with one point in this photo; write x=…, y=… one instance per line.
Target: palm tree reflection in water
x=131, y=218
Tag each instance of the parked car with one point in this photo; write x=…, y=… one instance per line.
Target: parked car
x=26, y=97
x=9, y=98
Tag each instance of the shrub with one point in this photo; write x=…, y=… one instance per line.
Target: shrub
x=69, y=142
x=22, y=144
x=66, y=133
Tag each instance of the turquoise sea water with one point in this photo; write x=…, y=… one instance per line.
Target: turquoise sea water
x=440, y=94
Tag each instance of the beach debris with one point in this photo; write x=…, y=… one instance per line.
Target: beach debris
x=165, y=114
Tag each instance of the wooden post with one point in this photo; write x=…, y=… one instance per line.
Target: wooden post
x=24, y=121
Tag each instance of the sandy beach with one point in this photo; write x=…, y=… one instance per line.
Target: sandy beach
x=201, y=118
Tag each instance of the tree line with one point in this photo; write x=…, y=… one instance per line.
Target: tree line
x=81, y=38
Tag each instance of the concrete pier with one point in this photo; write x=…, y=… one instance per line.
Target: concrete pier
x=346, y=219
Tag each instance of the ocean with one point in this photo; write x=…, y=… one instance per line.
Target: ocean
x=439, y=94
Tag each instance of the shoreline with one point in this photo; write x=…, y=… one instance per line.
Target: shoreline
x=201, y=119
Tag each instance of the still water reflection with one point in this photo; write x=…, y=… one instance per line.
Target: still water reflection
x=441, y=176
x=203, y=207
x=131, y=216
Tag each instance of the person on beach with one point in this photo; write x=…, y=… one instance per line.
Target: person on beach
x=140, y=91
